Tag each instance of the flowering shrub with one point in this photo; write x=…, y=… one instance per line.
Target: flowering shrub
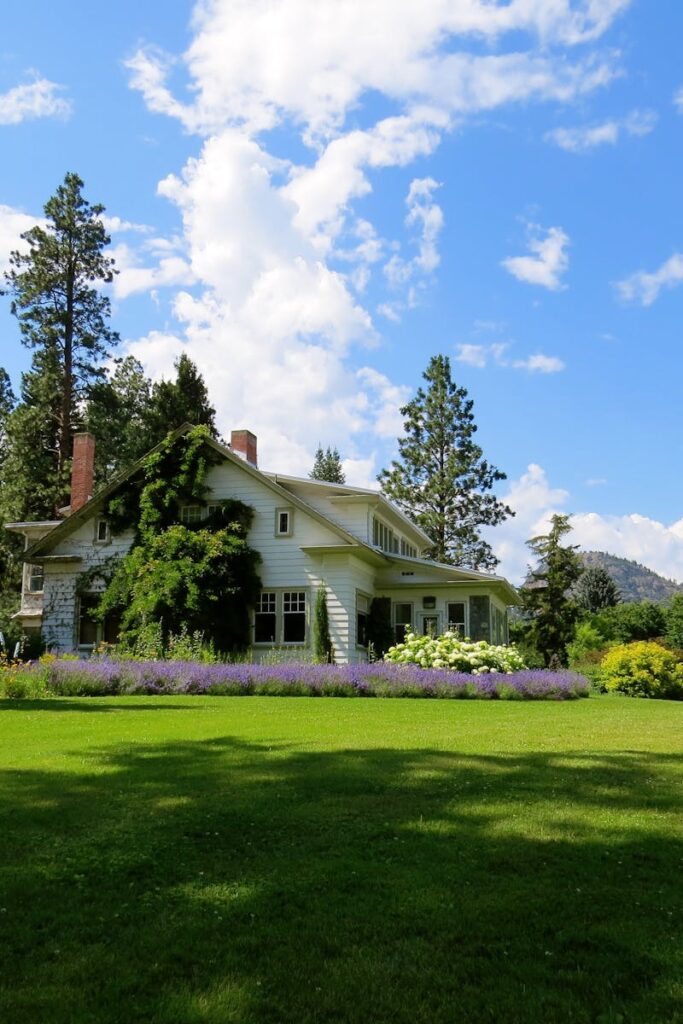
x=451, y=652
x=105, y=678
x=643, y=669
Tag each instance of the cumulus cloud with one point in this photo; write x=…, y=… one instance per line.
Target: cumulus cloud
x=480, y=356
x=279, y=251
x=548, y=262
x=645, y=287
x=657, y=545
x=39, y=98
x=13, y=223
x=583, y=139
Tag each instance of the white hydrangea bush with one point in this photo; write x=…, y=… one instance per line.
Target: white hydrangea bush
x=450, y=651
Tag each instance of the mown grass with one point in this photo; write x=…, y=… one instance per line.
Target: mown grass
x=179, y=860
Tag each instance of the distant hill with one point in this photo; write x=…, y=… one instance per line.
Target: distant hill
x=635, y=581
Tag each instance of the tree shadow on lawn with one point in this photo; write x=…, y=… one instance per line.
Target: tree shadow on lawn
x=228, y=881
x=90, y=705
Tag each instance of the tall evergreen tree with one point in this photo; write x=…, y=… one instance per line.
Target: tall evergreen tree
x=62, y=311
x=6, y=406
x=546, y=594
x=441, y=479
x=327, y=466
x=183, y=400
x=596, y=589
x=117, y=414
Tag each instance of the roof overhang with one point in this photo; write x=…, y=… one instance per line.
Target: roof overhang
x=362, y=551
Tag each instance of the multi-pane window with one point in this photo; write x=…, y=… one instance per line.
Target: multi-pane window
x=190, y=514
x=34, y=579
x=456, y=616
x=384, y=537
x=92, y=630
x=362, y=615
x=409, y=550
x=403, y=619
x=294, y=616
x=265, y=619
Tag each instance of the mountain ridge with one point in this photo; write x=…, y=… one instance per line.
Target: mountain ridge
x=635, y=581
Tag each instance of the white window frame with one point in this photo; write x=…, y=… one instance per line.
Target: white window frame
x=361, y=596
x=32, y=571
x=101, y=521
x=188, y=519
x=289, y=512
x=412, y=624
x=449, y=621
x=280, y=613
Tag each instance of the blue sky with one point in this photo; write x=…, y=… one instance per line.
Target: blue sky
x=319, y=196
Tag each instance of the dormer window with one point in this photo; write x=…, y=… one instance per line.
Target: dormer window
x=283, y=522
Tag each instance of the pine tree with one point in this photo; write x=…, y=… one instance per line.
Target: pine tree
x=62, y=311
x=117, y=414
x=596, y=589
x=546, y=598
x=6, y=406
x=327, y=466
x=441, y=479
x=183, y=400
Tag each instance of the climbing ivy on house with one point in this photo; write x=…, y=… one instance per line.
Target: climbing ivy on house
x=182, y=576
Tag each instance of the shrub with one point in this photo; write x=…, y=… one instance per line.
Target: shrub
x=643, y=669
x=587, y=640
x=626, y=623
x=450, y=652
x=674, y=622
x=322, y=642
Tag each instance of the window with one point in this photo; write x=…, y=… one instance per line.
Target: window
x=190, y=514
x=93, y=631
x=214, y=509
x=480, y=627
x=265, y=619
x=403, y=620
x=409, y=550
x=362, y=615
x=34, y=579
x=283, y=522
x=456, y=616
x=101, y=531
x=294, y=616
x=384, y=537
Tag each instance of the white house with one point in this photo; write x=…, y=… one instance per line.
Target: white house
x=351, y=541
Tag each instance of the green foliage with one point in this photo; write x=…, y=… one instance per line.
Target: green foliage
x=674, y=622
x=596, y=589
x=643, y=670
x=441, y=479
x=322, y=642
x=193, y=578
x=179, y=401
x=327, y=466
x=626, y=623
x=587, y=640
x=450, y=651
x=380, y=629
x=117, y=413
x=551, y=611
x=63, y=316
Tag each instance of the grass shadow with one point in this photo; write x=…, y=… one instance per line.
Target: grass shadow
x=223, y=880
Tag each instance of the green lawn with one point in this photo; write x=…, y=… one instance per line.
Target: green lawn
x=179, y=860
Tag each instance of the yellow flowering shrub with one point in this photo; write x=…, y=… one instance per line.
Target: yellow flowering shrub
x=643, y=669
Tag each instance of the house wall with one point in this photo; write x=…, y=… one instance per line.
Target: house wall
x=443, y=594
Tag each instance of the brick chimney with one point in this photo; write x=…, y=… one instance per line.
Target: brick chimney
x=243, y=443
x=82, y=470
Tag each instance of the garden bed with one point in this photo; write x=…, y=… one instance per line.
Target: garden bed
x=107, y=677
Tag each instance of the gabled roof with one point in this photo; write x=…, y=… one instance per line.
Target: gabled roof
x=96, y=503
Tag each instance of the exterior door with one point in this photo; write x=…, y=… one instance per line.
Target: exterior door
x=430, y=624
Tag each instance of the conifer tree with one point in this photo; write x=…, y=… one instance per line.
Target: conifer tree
x=327, y=466
x=596, y=589
x=183, y=400
x=546, y=594
x=117, y=414
x=63, y=316
x=441, y=479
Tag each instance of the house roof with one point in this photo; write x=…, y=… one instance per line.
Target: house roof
x=65, y=527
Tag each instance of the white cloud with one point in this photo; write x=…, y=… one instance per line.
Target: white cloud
x=644, y=287
x=481, y=355
x=39, y=98
x=13, y=223
x=248, y=65
x=116, y=225
x=654, y=544
x=582, y=139
x=548, y=262
x=278, y=249
x=678, y=100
